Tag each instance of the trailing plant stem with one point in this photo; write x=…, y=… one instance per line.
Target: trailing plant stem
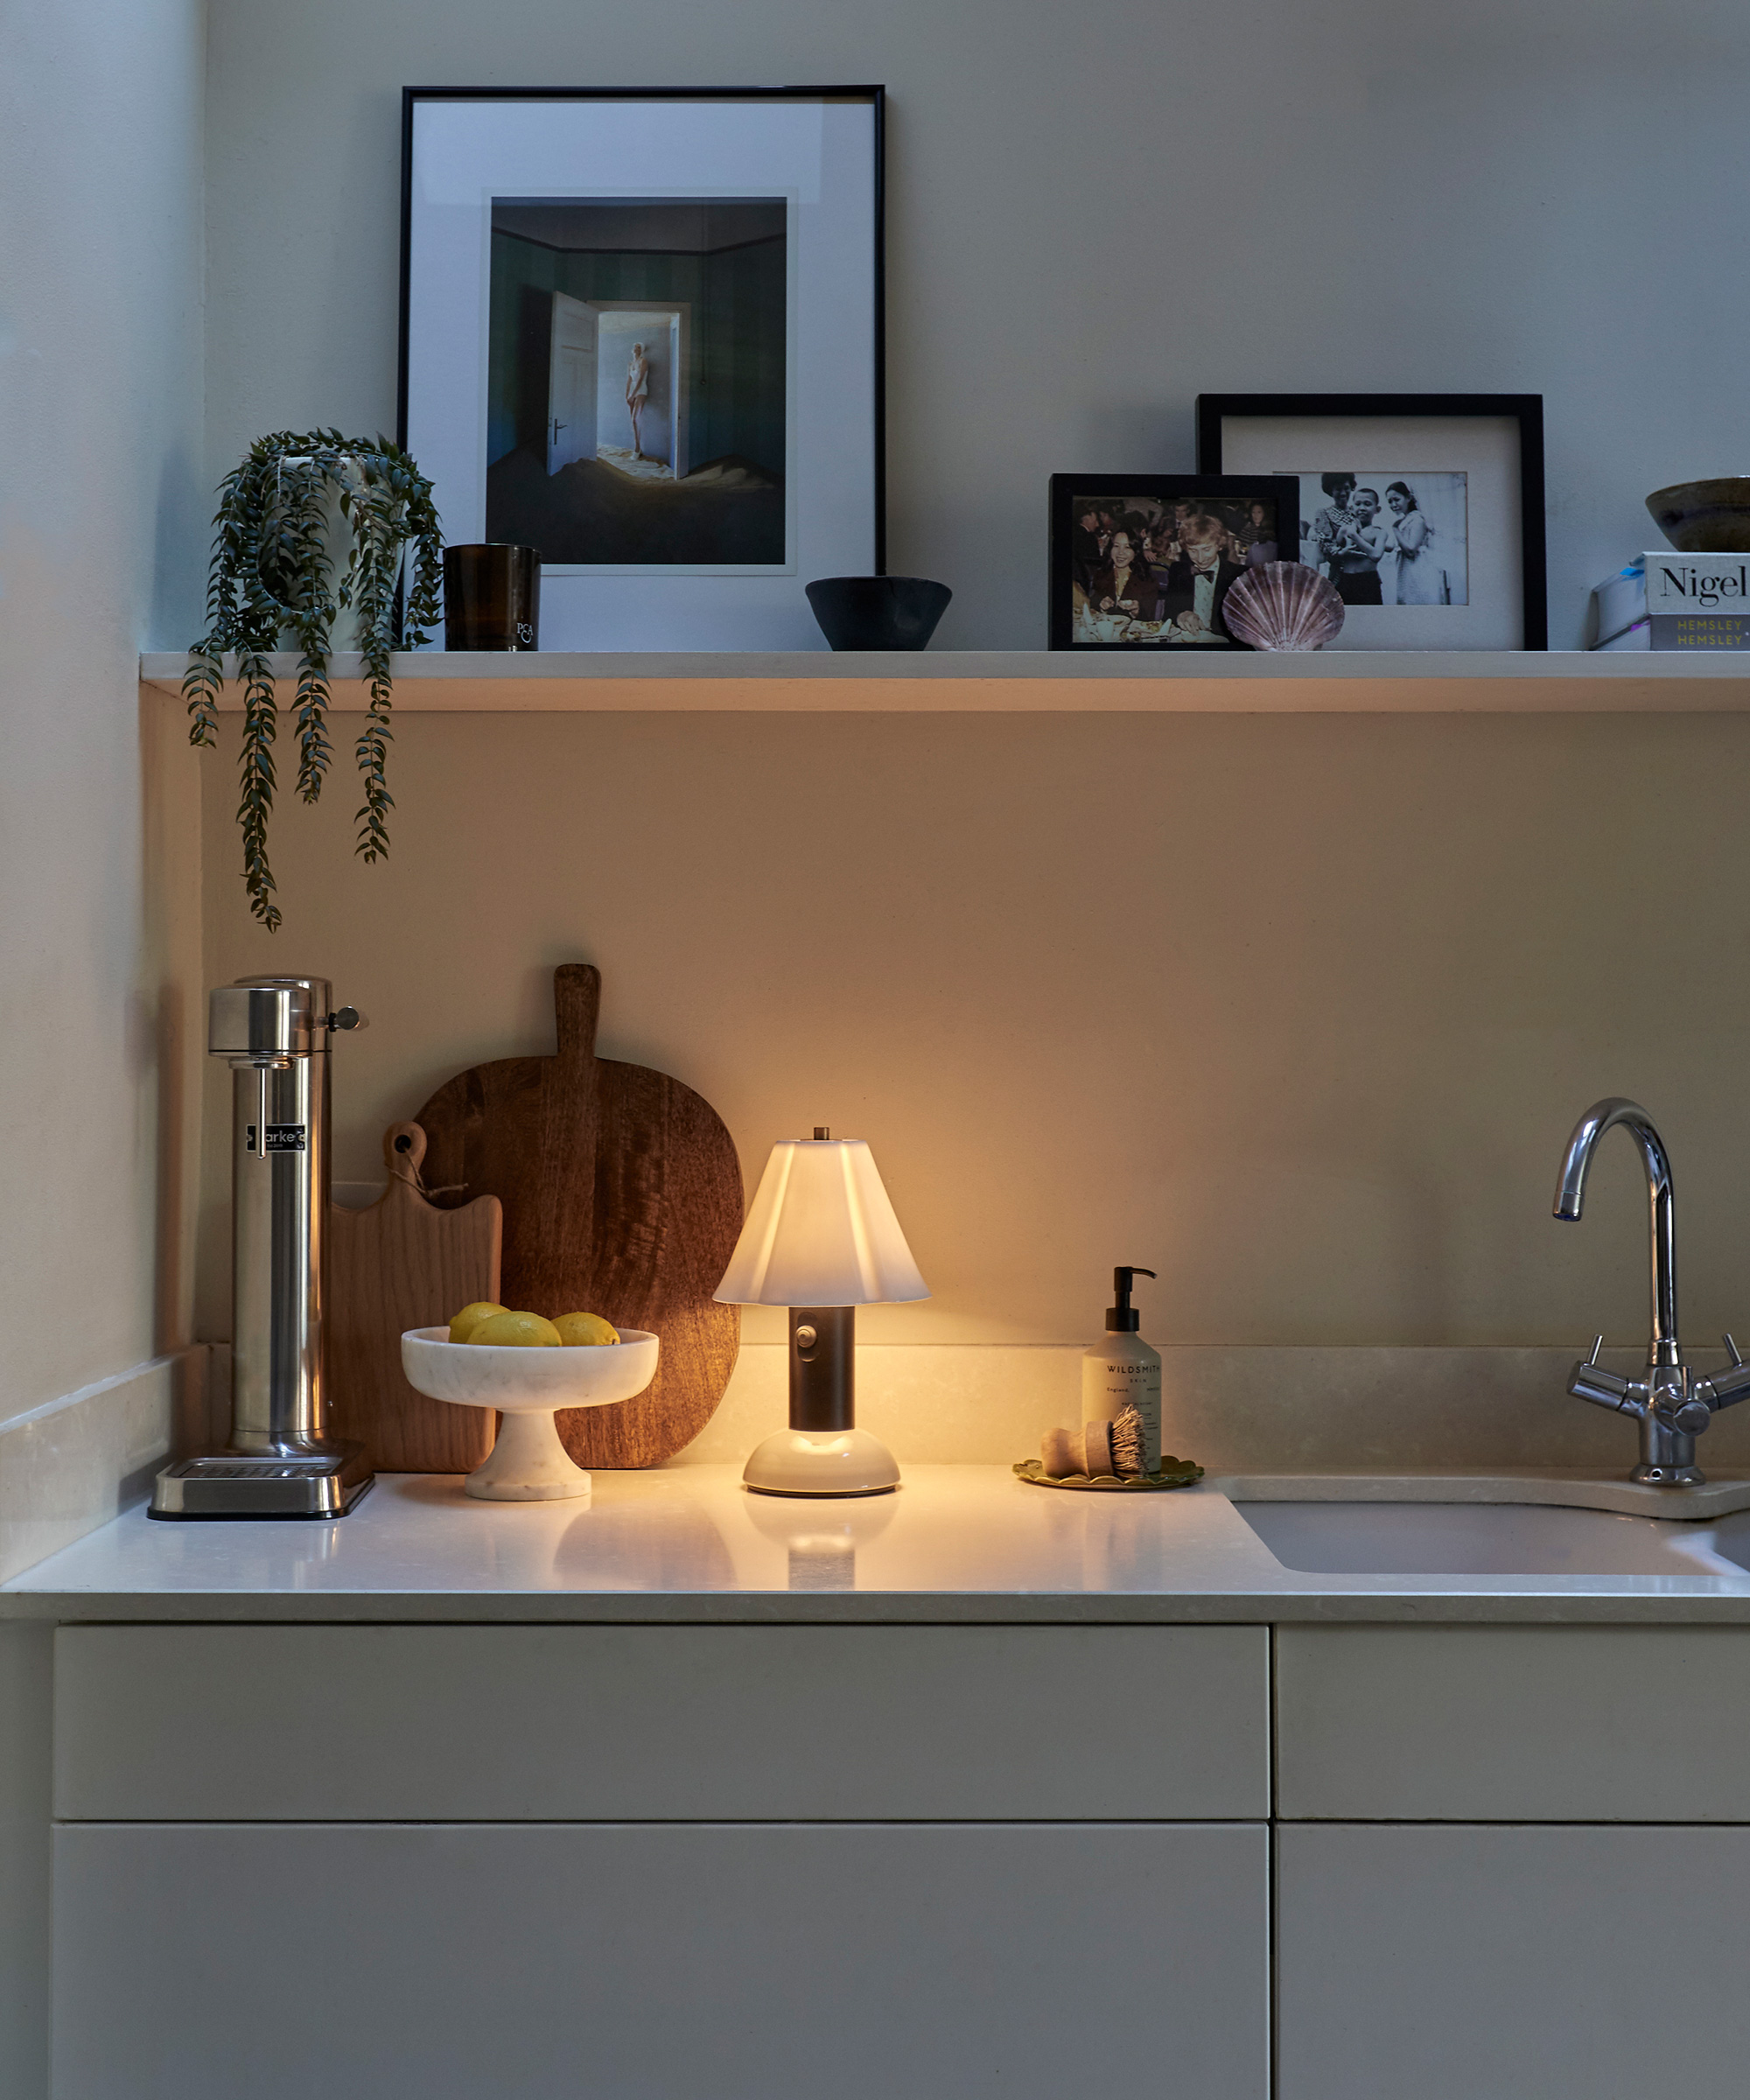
x=272, y=575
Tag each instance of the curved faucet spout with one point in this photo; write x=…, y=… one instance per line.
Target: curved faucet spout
x=1570, y=1198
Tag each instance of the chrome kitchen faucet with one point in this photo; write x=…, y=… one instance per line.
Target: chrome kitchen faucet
x=1672, y=1404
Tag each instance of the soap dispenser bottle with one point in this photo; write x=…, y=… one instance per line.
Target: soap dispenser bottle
x=1120, y=1370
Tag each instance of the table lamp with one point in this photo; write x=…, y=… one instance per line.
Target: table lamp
x=822, y=1238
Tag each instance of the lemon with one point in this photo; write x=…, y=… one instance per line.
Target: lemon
x=585, y=1330
x=515, y=1331
x=471, y=1316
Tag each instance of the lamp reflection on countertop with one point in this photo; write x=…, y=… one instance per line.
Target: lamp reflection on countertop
x=821, y=1543
x=662, y=1539
x=822, y=1238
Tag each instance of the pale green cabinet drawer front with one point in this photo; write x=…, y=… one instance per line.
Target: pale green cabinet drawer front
x=1465, y=1962
x=676, y=1962
x=1514, y=1723
x=483, y=1724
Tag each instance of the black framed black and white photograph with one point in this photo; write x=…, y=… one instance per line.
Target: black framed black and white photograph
x=641, y=333
x=1146, y=561
x=1425, y=511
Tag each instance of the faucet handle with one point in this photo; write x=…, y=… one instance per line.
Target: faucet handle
x=1726, y=1388
x=1590, y=1380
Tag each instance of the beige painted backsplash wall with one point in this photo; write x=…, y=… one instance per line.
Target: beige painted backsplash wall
x=1296, y=1010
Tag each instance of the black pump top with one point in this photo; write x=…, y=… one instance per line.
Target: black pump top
x=1123, y=1319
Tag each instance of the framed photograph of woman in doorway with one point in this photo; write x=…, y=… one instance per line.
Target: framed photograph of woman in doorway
x=642, y=333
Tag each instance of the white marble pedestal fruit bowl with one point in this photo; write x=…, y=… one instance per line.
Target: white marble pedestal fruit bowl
x=528, y=1463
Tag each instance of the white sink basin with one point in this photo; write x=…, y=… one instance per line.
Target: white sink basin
x=1467, y=1538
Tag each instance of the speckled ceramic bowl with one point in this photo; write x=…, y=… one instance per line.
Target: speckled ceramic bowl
x=528, y=1463
x=1704, y=517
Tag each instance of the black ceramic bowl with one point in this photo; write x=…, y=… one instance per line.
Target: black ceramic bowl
x=878, y=611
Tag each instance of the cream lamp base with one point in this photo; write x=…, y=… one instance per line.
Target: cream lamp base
x=819, y=1461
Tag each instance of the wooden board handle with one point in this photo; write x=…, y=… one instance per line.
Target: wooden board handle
x=404, y=1150
x=577, y=1007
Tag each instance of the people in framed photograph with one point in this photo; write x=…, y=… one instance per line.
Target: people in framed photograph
x=1146, y=561
x=1424, y=511
x=637, y=393
x=1389, y=554
x=1418, y=578
x=1124, y=583
x=1199, y=571
x=642, y=333
x=1258, y=536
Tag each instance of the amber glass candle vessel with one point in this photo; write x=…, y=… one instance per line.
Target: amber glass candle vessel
x=492, y=597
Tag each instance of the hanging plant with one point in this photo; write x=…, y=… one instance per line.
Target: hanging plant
x=272, y=574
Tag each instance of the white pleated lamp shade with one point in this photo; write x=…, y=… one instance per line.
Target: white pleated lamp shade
x=820, y=1232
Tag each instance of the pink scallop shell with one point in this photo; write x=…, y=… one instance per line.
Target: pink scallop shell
x=1282, y=605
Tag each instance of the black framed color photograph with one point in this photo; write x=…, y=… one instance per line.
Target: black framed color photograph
x=1424, y=510
x=641, y=333
x=1146, y=561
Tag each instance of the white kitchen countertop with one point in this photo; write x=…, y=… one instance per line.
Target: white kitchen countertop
x=956, y=1543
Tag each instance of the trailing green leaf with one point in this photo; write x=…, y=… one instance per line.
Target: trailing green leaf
x=272, y=575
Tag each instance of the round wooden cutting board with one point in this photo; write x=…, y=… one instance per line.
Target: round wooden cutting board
x=622, y=1195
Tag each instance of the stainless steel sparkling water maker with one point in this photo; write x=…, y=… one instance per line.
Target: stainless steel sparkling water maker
x=275, y=1032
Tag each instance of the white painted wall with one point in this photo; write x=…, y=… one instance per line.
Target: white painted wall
x=102, y=513
x=101, y=519
x=1093, y=216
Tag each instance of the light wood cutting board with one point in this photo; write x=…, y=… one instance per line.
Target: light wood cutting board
x=622, y=1196
x=405, y=1263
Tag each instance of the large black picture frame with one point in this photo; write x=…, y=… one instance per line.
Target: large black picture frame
x=1070, y=493
x=1526, y=410
x=801, y=562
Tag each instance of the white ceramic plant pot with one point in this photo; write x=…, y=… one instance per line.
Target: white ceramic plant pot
x=337, y=531
x=528, y=1387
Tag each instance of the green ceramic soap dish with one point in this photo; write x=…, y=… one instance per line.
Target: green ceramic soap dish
x=1174, y=1473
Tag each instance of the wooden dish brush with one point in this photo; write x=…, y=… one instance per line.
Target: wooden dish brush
x=1101, y=1450
x=1105, y=1455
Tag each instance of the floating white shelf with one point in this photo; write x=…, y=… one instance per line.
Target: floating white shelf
x=1038, y=681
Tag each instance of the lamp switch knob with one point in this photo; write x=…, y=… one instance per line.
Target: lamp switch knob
x=806, y=1337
